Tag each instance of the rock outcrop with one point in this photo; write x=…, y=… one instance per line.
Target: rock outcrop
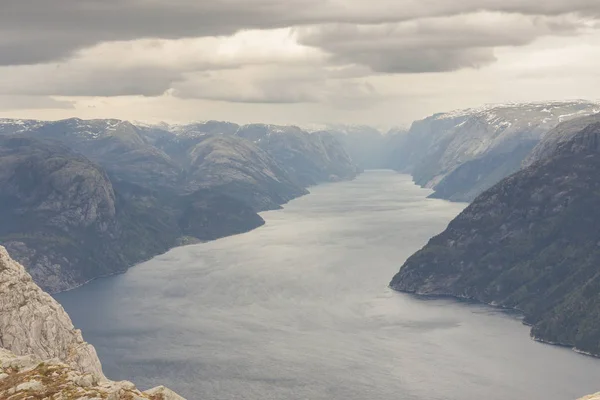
x=42, y=355
x=591, y=397
x=532, y=242
x=28, y=377
x=33, y=323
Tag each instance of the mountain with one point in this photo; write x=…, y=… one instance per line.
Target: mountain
x=562, y=133
x=460, y=154
x=85, y=199
x=230, y=165
x=42, y=355
x=531, y=242
x=54, y=202
x=12, y=126
x=308, y=158
x=366, y=145
x=115, y=145
x=69, y=223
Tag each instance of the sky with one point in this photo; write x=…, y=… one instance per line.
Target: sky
x=378, y=62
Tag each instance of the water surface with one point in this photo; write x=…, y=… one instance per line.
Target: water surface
x=300, y=310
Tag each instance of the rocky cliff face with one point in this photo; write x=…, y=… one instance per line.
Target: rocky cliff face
x=54, y=202
x=33, y=323
x=591, y=397
x=463, y=153
x=532, y=242
x=42, y=355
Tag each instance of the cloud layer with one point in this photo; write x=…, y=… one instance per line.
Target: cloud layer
x=35, y=31
x=346, y=54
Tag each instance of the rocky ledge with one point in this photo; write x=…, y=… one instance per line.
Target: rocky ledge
x=592, y=397
x=26, y=377
x=42, y=355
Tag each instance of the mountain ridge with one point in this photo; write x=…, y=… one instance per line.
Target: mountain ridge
x=139, y=191
x=528, y=243
x=462, y=153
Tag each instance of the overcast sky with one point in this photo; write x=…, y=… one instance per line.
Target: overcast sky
x=379, y=62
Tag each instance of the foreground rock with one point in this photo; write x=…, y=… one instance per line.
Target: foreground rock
x=27, y=377
x=532, y=242
x=33, y=323
x=42, y=356
x=591, y=397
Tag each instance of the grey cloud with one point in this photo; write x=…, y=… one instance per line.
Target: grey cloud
x=85, y=80
x=33, y=102
x=273, y=85
x=434, y=44
x=33, y=31
x=279, y=87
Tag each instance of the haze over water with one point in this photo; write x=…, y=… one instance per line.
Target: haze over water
x=299, y=309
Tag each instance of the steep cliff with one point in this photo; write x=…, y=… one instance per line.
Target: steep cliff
x=33, y=323
x=56, y=206
x=532, y=242
x=42, y=355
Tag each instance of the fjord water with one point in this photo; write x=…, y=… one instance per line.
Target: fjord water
x=299, y=309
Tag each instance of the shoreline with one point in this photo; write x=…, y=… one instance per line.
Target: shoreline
x=191, y=243
x=522, y=317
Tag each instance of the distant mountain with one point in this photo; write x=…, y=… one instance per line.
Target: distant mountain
x=462, y=153
x=240, y=169
x=117, y=146
x=531, y=242
x=82, y=199
x=364, y=144
x=554, y=139
x=308, y=158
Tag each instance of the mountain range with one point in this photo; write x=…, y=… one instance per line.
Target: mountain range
x=83, y=199
x=462, y=153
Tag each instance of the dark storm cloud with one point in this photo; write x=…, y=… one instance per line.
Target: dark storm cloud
x=34, y=31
